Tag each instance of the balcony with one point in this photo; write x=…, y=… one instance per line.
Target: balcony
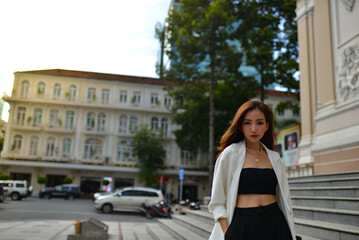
x=29, y=126
x=92, y=159
x=56, y=128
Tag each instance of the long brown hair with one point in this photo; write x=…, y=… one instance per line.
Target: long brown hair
x=234, y=132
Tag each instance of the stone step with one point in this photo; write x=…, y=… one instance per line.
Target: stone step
x=350, y=192
x=354, y=181
x=325, y=230
x=327, y=202
x=202, y=215
x=201, y=228
x=157, y=232
x=340, y=216
x=326, y=176
x=179, y=232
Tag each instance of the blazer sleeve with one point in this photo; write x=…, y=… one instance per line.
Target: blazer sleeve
x=217, y=204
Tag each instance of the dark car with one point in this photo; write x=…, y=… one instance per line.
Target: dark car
x=66, y=191
x=2, y=196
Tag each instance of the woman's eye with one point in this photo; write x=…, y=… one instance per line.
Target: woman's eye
x=247, y=123
x=260, y=123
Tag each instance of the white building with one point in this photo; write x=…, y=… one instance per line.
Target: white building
x=65, y=123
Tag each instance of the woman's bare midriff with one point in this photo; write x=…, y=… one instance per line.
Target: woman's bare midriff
x=254, y=200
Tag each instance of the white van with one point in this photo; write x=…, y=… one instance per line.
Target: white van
x=15, y=189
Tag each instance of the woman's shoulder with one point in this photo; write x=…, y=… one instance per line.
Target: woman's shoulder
x=234, y=147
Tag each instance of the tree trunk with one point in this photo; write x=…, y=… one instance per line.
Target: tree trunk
x=262, y=84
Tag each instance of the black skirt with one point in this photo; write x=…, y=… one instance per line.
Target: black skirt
x=258, y=223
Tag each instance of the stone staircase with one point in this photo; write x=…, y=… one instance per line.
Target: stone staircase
x=327, y=206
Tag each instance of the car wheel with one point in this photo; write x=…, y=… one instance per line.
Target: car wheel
x=107, y=208
x=15, y=196
x=47, y=196
x=71, y=197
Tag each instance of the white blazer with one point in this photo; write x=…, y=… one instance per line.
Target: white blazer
x=227, y=170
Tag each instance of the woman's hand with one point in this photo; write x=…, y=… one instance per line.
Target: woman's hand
x=224, y=224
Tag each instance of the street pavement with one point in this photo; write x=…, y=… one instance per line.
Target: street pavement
x=47, y=230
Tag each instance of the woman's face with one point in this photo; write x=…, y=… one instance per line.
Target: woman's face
x=254, y=126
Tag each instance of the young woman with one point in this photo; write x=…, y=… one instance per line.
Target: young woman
x=250, y=193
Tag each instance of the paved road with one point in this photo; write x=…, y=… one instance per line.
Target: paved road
x=34, y=208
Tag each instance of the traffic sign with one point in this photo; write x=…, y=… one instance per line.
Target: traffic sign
x=181, y=174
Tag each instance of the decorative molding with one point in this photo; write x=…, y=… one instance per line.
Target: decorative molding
x=304, y=10
x=348, y=83
x=348, y=4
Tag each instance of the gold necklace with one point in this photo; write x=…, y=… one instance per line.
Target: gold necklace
x=256, y=153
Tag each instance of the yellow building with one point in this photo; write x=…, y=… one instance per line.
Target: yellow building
x=328, y=35
x=81, y=124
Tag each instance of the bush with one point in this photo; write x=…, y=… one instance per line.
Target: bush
x=4, y=177
x=41, y=180
x=67, y=180
x=105, y=182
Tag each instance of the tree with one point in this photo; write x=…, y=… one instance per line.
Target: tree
x=267, y=32
x=148, y=148
x=67, y=180
x=201, y=52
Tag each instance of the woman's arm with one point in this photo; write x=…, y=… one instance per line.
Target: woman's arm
x=224, y=224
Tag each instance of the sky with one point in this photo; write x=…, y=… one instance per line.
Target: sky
x=108, y=36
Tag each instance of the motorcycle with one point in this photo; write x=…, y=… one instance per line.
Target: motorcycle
x=160, y=209
x=195, y=205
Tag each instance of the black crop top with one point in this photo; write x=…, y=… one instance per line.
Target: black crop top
x=257, y=181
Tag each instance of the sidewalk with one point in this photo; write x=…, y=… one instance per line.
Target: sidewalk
x=46, y=230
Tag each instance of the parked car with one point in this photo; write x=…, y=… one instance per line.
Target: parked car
x=2, y=196
x=15, y=189
x=66, y=191
x=128, y=199
x=98, y=194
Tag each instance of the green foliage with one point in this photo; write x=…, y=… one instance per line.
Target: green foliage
x=148, y=148
x=267, y=32
x=41, y=180
x=282, y=106
x=105, y=182
x=281, y=124
x=4, y=177
x=67, y=180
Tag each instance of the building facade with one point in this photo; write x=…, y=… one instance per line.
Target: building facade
x=328, y=36
x=77, y=124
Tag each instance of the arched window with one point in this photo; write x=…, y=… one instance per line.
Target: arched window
x=57, y=90
x=41, y=88
x=54, y=118
x=72, y=93
x=133, y=124
x=164, y=126
x=122, y=124
x=154, y=124
x=90, y=120
x=93, y=148
x=123, y=96
x=37, y=116
x=105, y=96
x=69, y=120
x=124, y=152
x=24, y=89
x=101, y=122
x=34, y=143
x=50, y=147
x=20, y=116
x=66, y=146
x=17, y=142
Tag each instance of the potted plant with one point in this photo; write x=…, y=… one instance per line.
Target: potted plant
x=94, y=96
x=67, y=94
x=40, y=91
x=4, y=177
x=67, y=180
x=41, y=180
x=29, y=118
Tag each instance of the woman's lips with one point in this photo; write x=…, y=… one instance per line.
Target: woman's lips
x=254, y=136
